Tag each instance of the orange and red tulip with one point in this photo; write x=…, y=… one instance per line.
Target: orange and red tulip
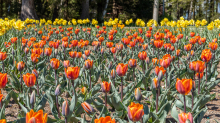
x=29, y=79
x=158, y=43
x=142, y=55
x=20, y=65
x=2, y=120
x=87, y=52
x=158, y=69
x=106, y=119
x=47, y=51
x=119, y=46
x=177, y=52
x=72, y=72
x=36, y=51
x=55, y=63
x=113, y=50
x=192, y=41
x=79, y=54
x=184, y=86
x=155, y=83
x=188, y=47
x=88, y=64
x=206, y=55
x=66, y=63
x=83, y=90
x=145, y=46
x=213, y=45
x=34, y=57
x=73, y=54
x=106, y=86
x=166, y=60
x=155, y=61
x=3, y=79
x=3, y=56
x=183, y=117
x=36, y=117
x=132, y=63
x=135, y=111
x=87, y=107
x=121, y=69
x=192, y=34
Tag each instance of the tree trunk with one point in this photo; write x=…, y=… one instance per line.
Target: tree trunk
x=28, y=10
x=105, y=9
x=114, y=9
x=85, y=9
x=155, y=10
x=190, y=10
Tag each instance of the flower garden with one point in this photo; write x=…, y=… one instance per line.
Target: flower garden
x=83, y=71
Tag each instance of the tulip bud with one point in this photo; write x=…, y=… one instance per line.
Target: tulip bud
x=58, y=91
x=113, y=74
x=156, y=83
x=186, y=37
x=65, y=108
x=188, y=56
x=13, y=52
x=35, y=73
x=147, y=60
x=56, y=51
x=20, y=66
x=84, y=57
x=137, y=94
x=110, y=65
x=87, y=107
x=33, y=98
x=102, y=51
x=84, y=90
x=66, y=63
x=160, y=76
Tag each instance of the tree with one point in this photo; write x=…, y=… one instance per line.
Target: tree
x=155, y=10
x=85, y=9
x=28, y=10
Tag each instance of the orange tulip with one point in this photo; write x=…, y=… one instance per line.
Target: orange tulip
x=34, y=57
x=155, y=83
x=178, y=52
x=119, y=46
x=121, y=69
x=73, y=54
x=192, y=34
x=83, y=90
x=79, y=54
x=36, y=51
x=109, y=44
x=165, y=61
x=36, y=117
x=2, y=120
x=145, y=46
x=29, y=79
x=106, y=86
x=55, y=63
x=72, y=72
x=106, y=119
x=20, y=65
x=88, y=64
x=213, y=45
x=3, y=56
x=135, y=111
x=206, y=55
x=155, y=61
x=188, y=47
x=101, y=39
x=47, y=51
x=201, y=41
x=158, y=43
x=180, y=36
x=132, y=63
x=87, y=52
x=66, y=63
x=158, y=69
x=167, y=46
x=183, y=117
x=3, y=79
x=87, y=107
x=192, y=41
x=142, y=55
x=184, y=86
x=113, y=50
x=199, y=75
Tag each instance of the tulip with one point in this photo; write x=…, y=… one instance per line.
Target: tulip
x=72, y=73
x=113, y=50
x=32, y=99
x=83, y=90
x=109, y=44
x=48, y=51
x=165, y=61
x=73, y=55
x=29, y=80
x=88, y=65
x=105, y=88
x=106, y=119
x=213, y=45
x=112, y=75
x=65, y=110
x=3, y=56
x=20, y=65
x=184, y=86
x=137, y=94
x=4, y=121
x=34, y=57
x=158, y=69
x=121, y=70
x=132, y=63
x=142, y=55
x=87, y=107
x=55, y=63
x=158, y=43
x=135, y=111
x=36, y=51
x=183, y=117
x=206, y=55
x=36, y=117
x=3, y=80
x=87, y=52
x=66, y=63
x=188, y=47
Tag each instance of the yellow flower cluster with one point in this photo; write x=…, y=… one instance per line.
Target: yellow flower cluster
x=112, y=22
x=140, y=22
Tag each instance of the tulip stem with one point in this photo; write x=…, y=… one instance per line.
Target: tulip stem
x=64, y=53
x=199, y=84
x=166, y=80
x=133, y=74
x=192, y=98
x=65, y=119
x=55, y=75
x=121, y=89
x=73, y=62
x=90, y=85
x=157, y=95
x=3, y=67
x=30, y=90
x=184, y=99
x=206, y=73
x=57, y=105
x=106, y=99
x=21, y=81
x=37, y=87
